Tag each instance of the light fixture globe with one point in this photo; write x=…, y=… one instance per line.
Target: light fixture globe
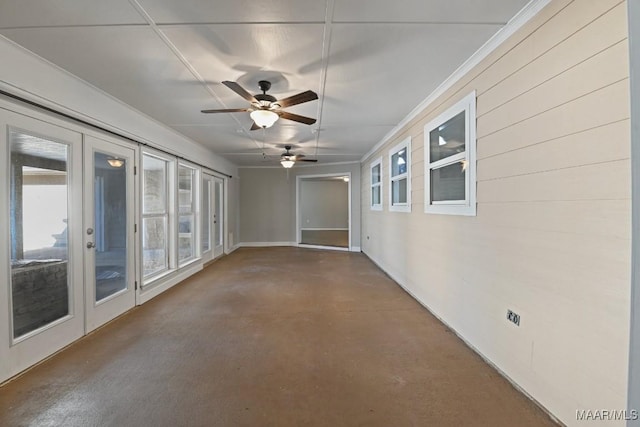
x=264, y=118
x=287, y=163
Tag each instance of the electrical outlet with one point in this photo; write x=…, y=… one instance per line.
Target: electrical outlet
x=513, y=317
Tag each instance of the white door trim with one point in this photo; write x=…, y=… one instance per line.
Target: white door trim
x=299, y=179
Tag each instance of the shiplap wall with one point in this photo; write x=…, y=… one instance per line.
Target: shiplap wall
x=551, y=239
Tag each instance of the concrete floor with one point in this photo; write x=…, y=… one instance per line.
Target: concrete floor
x=271, y=337
x=338, y=238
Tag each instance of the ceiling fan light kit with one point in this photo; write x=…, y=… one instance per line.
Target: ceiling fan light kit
x=264, y=118
x=266, y=109
x=288, y=159
x=287, y=163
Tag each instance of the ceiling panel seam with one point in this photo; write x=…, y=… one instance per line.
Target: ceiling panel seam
x=233, y=23
x=165, y=39
x=38, y=27
x=418, y=23
x=326, y=47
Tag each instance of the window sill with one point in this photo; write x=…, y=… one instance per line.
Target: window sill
x=460, y=210
x=400, y=208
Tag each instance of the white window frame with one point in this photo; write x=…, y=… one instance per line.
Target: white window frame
x=195, y=211
x=378, y=185
x=454, y=207
x=400, y=207
x=170, y=215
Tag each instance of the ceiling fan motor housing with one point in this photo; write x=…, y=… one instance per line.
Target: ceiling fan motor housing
x=264, y=85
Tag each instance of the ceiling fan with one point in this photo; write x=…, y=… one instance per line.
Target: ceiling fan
x=265, y=109
x=288, y=159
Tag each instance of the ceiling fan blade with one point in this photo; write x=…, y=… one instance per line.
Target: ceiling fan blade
x=307, y=160
x=306, y=96
x=227, y=110
x=239, y=90
x=254, y=126
x=296, y=117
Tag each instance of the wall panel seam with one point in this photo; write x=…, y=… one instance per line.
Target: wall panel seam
x=550, y=78
x=552, y=139
x=553, y=108
x=552, y=47
x=506, y=177
x=498, y=202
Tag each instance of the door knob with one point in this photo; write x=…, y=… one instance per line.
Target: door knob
x=90, y=245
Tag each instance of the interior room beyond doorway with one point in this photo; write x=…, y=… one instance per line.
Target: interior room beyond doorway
x=323, y=213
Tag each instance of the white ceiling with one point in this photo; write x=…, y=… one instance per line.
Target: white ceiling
x=370, y=61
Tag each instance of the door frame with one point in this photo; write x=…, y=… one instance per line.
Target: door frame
x=299, y=179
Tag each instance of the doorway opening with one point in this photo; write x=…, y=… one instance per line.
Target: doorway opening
x=323, y=214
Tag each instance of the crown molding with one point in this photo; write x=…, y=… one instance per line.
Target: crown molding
x=518, y=21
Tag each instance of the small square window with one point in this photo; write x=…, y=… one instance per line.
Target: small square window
x=450, y=160
x=400, y=177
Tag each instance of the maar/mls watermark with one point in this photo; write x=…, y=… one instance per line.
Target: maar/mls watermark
x=607, y=414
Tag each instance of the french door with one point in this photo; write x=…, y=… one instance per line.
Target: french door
x=67, y=258
x=212, y=217
x=41, y=290
x=218, y=217
x=108, y=230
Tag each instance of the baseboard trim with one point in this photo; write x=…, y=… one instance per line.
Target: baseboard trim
x=265, y=244
x=323, y=229
x=464, y=340
x=294, y=244
x=329, y=248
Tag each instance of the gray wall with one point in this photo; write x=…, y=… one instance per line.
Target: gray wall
x=266, y=213
x=233, y=210
x=324, y=203
x=268, y=202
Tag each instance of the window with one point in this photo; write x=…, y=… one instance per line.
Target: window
x=187, y=197
x=155, y=215
x=400, y=177
x=450, y=160
x=376, y=185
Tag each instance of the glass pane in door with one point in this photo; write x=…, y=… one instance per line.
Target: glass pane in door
x=39, y=197
x=110, y=222
x=206, y=215
x=217, y=215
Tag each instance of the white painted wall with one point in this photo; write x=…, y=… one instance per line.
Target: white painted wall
x=324, y=204
x=551, y=239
